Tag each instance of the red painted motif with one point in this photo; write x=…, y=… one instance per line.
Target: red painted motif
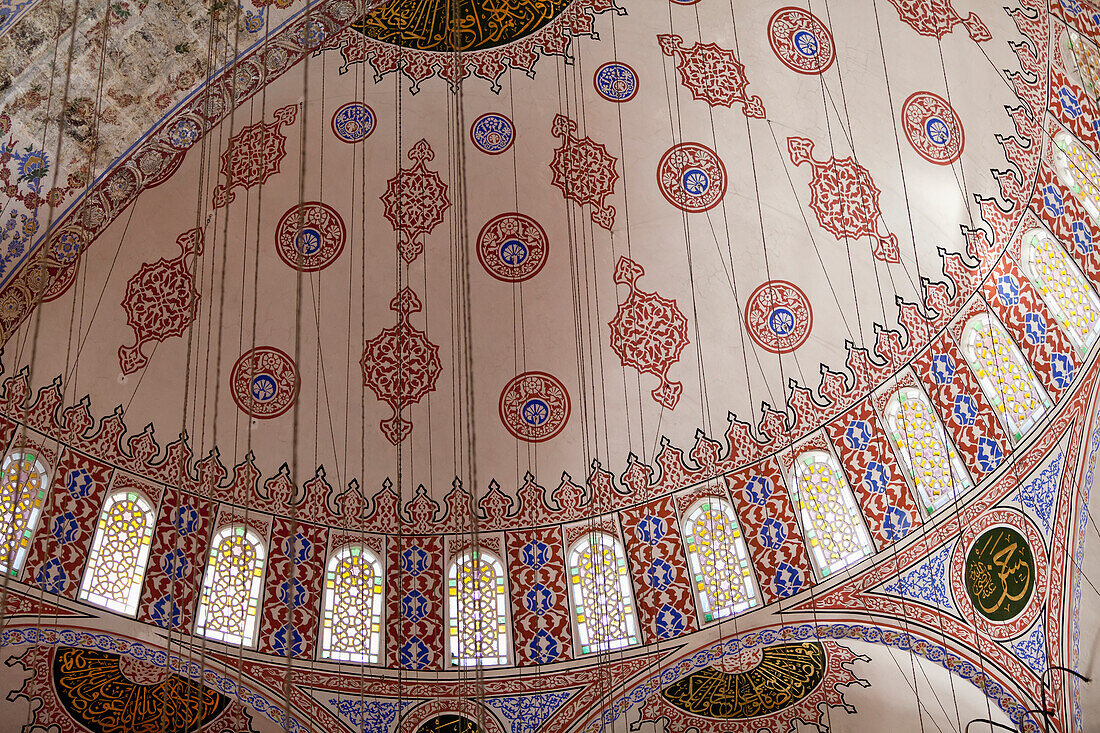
x=311, y=237
x=513, y=247
x=400, y=365
x=415, y=201
x=161, y=300
x=414, y=603
x=692, y=177
x=932, y=128
x=264, y=382
x=648, y=333
x=845, y=199
x=936, y=18
x=801, y=41
x=254, y=154
x=584, y=171
x=292, y=593
x=712, y=73
x=61, y=285
x=778, y=316
x=534, y=406
x=540, y=619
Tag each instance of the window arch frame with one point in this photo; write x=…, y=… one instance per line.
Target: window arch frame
x=375, y=631
x=1028, y=246
x=247, y=636
x=580, y=613
x=1063, y=168
x=1016, y=433
x=739, y=552
x=129, y=607
x=961, y=481
x=18, y=542
x=454, y=614
x=822, y=568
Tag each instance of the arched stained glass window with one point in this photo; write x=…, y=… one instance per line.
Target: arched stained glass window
x=477, y=611
x=351, y=628
x=719, y=560
x=120, y=551
x=601, y=594
x=21, y=497
x=1062, y=287
x=1079, y=170
x=925, y=450
x=1083, y=57
x=1005, y=377
x=231, y=587
x=831, y=521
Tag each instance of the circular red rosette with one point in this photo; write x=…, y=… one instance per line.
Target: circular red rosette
x=310, y=238
x=801, y=41
x=264, y=382
x=512, y=247
x=692, y=177
x=534, y=406
x=977, y=530
x=932, y=128
x=778, y=316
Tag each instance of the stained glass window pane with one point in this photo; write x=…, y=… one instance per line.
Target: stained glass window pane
x=925, y=450
x=601, y=594
x=1079, y=170
x=21, y=498
x=478, y=616
x=120, y=551
x=1062, y=287
x=720, y=566
x=231, y=587
x=351, y=625
x=1086, y=60
x=1006, y=379
x=831, y=521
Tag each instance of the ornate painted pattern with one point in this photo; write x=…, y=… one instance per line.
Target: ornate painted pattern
x=764, y=506
x=1079, y=170
x=692, y=177
x=513, y=247
x=492, y=133
x=120, y=552
x=477, y=611
x=661, y=577
x=253, y=155
x=178, y=549
x=1062, y=287
x=400, y=365
x=540, y=596
x=648, y=333
x=801, y=41
x=936, y=18
x=616, y=81
x=161, y=300
x=293, y=591
x=778, y=316
x=353, y=122
x=534, y=406
x=602, y=602
x=414, y=603
x=720, y=567
x=584, y=171
x=264, y=382
x=845, y=199
x=415, y=201
x=932, y=128
x=22, y=494
x=712, y=73
x=351, y=628
x=231, y=587
x=311, y=237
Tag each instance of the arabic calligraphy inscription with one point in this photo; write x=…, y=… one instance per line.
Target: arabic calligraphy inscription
x=1000, y=573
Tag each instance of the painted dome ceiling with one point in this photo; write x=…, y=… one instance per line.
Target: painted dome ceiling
x=501, y=276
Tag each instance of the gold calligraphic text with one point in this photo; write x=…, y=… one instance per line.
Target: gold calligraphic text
x=1000, y=573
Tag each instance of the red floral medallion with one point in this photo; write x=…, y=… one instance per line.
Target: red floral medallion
x=648, y=333
x=936, y=18
x=584, y=171
x=534, y=406
x=845, y=199
x=400, y=365
x=253, y=155
x=778, y=316
x=512, y=247
x=264, y=382
x=713, y=74
x=415, y=201
x=932, y=128
x=160, y=300
x=311, y=237
x=692, y=177
x=801, y=41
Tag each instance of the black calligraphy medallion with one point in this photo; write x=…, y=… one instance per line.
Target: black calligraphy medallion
x=786, y=674
x=425, y=25
x=1000, y=573
x=449, y=724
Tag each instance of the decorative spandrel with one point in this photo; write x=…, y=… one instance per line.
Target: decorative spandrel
x=1000, y=573
x=785, y=674
x=426, y=25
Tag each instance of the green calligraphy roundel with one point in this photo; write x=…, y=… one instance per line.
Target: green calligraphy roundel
x=474, y=25
x=1000, y=573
